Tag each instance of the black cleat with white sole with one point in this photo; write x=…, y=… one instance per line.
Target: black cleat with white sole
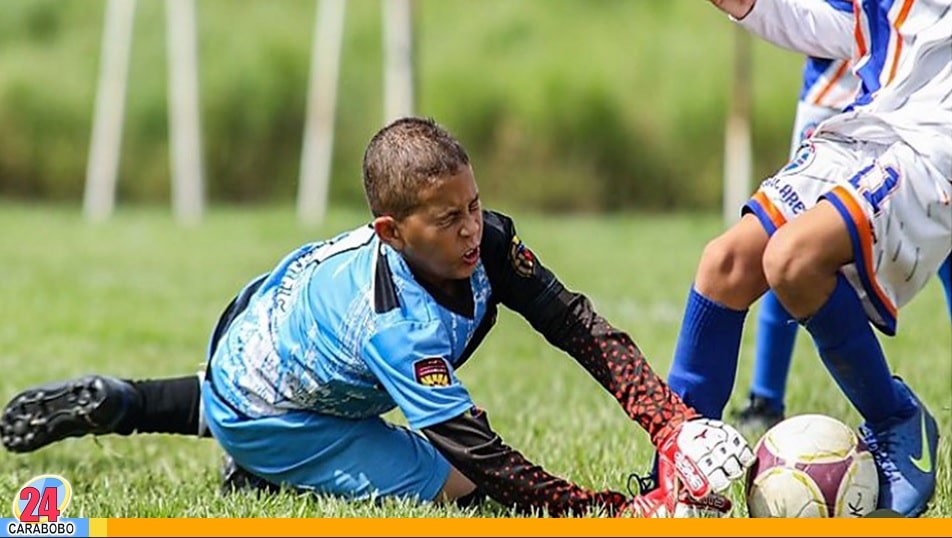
x=52, y=412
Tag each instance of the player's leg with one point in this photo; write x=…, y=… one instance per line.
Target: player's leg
x=776, y=329
x=99, y=404
x=802, y=264
x=834, y=315
x=817, y=263
x=773, y=351
x=353, y=459
x=729, y=279
x=945, y=276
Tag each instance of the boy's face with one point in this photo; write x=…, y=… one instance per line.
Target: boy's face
x=440, y=239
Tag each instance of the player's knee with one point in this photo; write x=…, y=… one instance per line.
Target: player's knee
x=456, y=487
x=786, y=265
x=730, y=272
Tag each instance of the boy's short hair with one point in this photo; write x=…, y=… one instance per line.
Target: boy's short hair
x=404, y=157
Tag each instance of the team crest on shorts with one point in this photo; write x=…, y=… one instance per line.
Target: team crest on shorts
x=802, y=159
x=432, y=372
x=523, y=260
x=807, y=131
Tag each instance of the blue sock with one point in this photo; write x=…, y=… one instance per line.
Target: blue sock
x=849, y=349
x=945, y=276
x=705, y=359
x=776, y=334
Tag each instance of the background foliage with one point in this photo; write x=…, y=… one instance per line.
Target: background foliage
x=564, y=104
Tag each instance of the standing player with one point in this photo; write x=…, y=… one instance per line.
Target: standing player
x=829, y=86
x=849, y=231
x=308, y=356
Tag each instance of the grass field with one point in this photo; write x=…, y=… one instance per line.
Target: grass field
x=137, y=297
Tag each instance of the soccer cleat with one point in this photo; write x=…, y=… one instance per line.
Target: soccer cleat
x=52, y=412
x=706, y=455
x=905, y=453
x=235, y=478
x=757, y=417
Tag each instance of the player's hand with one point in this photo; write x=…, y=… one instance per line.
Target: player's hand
x=711, y=506
x=706, y=456
x=668, y=499
x=661, y=502
x=736, y=8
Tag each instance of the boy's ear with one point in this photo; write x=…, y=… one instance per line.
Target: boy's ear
x=388, y=231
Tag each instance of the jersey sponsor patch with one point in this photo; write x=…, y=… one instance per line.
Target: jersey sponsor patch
x=432, y=372
x=523, y=260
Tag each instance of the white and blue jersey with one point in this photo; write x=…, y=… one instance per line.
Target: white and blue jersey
x=885, y=161
x=902, y=53
x=829, y=83
x=828, y=87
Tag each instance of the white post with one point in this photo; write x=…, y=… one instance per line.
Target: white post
x=317, y=153
x=737, y=145
x=398, y=59
x=184, y=127
x=106, y=140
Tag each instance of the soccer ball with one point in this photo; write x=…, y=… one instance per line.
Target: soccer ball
x=812, y=466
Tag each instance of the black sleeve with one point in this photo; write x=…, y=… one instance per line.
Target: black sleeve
x=506, y=476
x=568, y=321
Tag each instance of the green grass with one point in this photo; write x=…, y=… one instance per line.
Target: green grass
x=137, y=297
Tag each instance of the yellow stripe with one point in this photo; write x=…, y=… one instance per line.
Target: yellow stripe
x=98, y=526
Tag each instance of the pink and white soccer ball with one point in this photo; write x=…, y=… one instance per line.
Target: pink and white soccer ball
x=812, y=466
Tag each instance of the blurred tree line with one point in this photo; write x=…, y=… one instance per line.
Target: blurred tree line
x=563, y=104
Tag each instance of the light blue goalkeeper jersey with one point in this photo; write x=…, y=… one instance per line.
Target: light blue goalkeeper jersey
x=342, y=328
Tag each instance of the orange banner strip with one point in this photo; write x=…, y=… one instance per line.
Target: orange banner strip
x=528, y=527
